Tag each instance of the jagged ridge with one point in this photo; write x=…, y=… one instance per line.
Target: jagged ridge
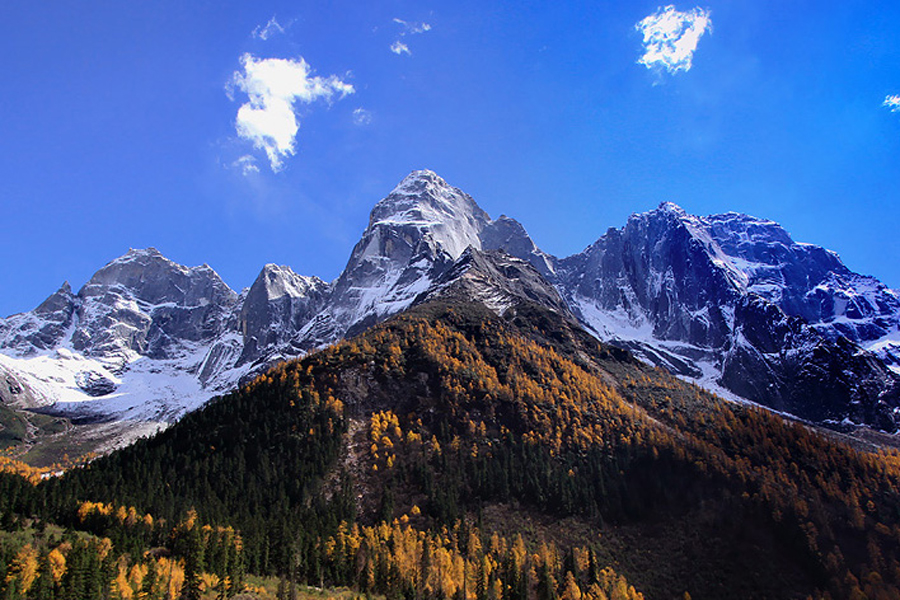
x=729, y=300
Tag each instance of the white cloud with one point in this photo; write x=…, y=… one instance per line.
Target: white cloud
x=362, y=117
x=409, y=28
x=274, y=86
x=892, y=102
x=247, y=165
x=266, y=31
x=671, y=37
x=399, y=47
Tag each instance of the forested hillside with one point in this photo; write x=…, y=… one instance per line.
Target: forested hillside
x=451, y=453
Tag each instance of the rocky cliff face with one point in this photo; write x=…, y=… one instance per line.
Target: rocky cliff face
x=660, y=276
x=142, y=303
x=785, y=364
x=278, y=305
x=728, y=300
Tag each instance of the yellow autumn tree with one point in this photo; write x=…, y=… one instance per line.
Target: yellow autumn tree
x=57, y=560
x=121, y=587
x=571, y=591
x=24, y=569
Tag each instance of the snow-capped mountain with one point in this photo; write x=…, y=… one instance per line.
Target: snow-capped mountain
x=144, y=304
x=733, y=302
x=812, y=283
x=728, y=300
x=416, y=235
x=147, y=339
x=124, y=350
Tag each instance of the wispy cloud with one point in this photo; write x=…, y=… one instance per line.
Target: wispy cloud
x=399, y=47
x=671, y=37
x=892, y=103
x=274, y=87
x=246, y=164
x=408, y=28
x=362, y=117
x=411, y=27
x=264, y=32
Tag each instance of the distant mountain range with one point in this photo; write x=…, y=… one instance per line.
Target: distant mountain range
x=730, y=301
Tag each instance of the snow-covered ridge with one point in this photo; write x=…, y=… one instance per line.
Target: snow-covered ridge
x=710, y=298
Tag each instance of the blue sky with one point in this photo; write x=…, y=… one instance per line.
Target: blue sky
x=122, y=125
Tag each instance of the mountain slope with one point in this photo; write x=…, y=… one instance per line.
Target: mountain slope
x=450, y=413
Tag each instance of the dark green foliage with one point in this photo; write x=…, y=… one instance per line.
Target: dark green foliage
x=87, y=574
x=245, y=460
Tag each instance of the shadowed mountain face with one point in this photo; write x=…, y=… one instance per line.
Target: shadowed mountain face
x=729, y=300
x=732, y=301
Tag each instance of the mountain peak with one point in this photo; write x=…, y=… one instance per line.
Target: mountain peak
x=671, y=207
x=417, y=181
x=140, y=258
x=281, y=280
x=423, y=198
x=424, y=206
x=665, y=212
x=146, y=275
x=150, y=251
